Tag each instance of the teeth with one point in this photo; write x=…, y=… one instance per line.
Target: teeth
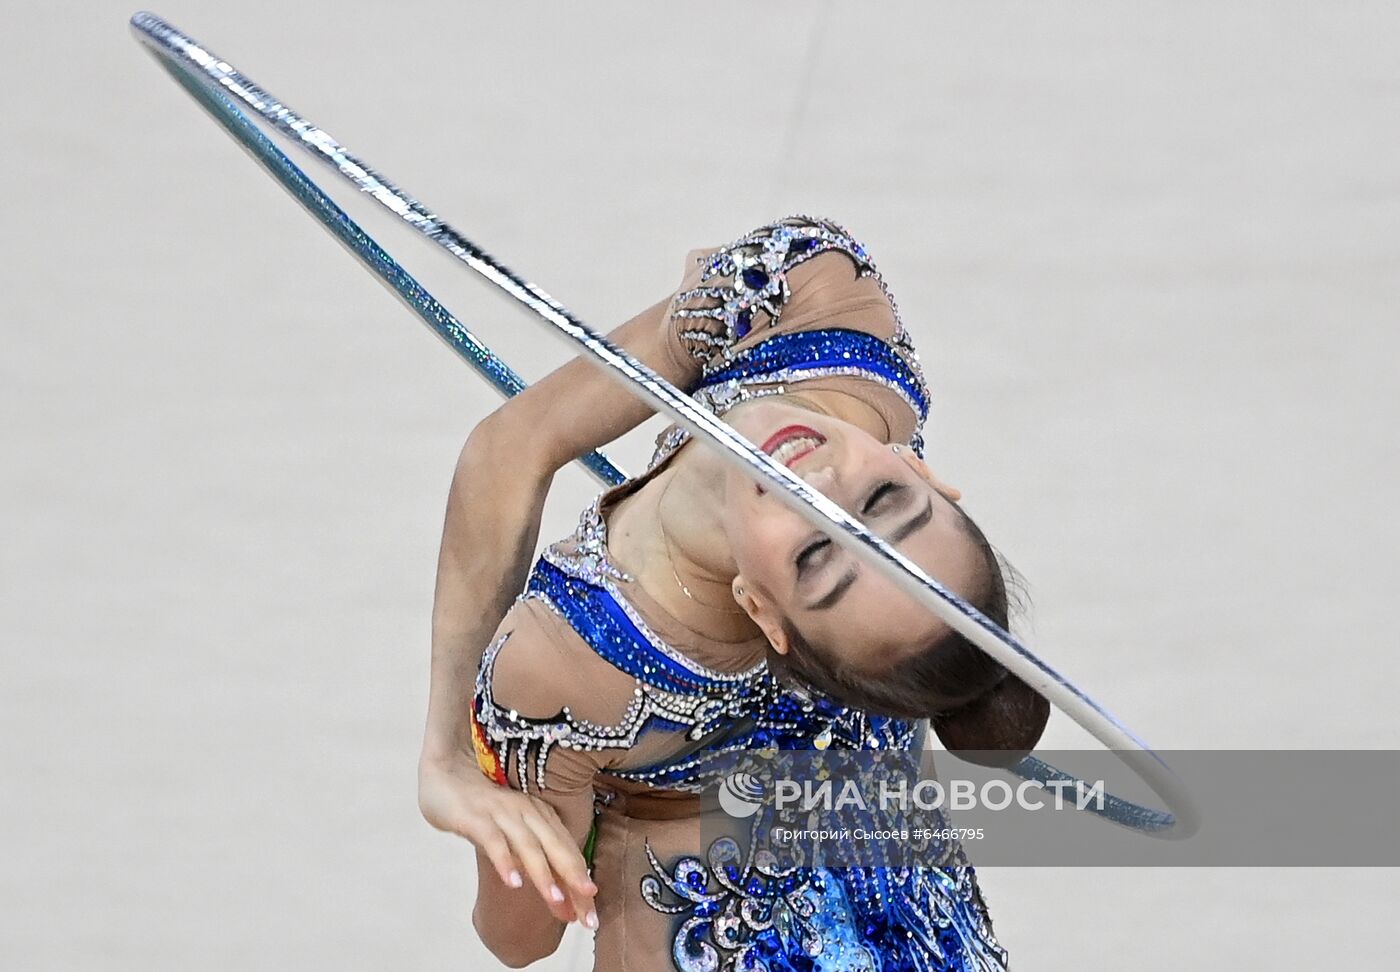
x=794, y=447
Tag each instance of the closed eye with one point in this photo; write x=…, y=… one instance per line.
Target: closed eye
x=810, y=554
x=884, y=499
x=898, y=535
x=881, y=497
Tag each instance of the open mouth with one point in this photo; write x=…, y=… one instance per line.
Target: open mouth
x=791, y=443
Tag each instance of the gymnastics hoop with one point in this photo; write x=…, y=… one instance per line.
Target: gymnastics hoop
x=209, y=79
x=178, y=52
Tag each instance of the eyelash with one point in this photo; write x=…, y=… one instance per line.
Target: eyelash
x=810, y=551
x=882, y=491
x=887, y=488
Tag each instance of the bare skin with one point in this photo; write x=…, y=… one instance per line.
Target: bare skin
x=693, y=537
x=702, y=528
x=506, y=467
x=679, y=532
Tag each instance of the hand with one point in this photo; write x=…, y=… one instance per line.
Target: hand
x=514, y=830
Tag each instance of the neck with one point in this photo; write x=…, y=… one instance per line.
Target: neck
x=672, y=534
x=673, y=541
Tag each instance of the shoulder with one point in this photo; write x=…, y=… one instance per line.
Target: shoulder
x=802, y=271
x=540, y=667
x=544, y=702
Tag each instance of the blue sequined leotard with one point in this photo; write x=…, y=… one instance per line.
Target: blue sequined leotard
x=812, y=919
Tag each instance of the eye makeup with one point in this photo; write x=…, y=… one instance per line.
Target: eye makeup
x=888, y=496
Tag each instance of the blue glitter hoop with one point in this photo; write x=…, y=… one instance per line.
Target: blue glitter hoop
x=176, y=53
x=210, y=80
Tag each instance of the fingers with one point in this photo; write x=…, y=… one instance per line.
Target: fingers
x=566, y=862
x=522, y=836
x=559, y=846
x=527, y=850
x=497, y=850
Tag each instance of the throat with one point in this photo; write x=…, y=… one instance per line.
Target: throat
x=676, y=551
x=696, y=594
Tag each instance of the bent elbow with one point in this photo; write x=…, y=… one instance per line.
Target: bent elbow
x=500, y=440
x=512, y=947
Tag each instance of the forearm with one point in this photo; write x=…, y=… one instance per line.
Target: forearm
x=580, y=406
x=513, y=923
x=516, y=925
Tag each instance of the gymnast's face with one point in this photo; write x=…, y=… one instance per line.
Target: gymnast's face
x=789, y=570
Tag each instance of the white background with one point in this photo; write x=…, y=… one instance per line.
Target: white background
x=1151, y=255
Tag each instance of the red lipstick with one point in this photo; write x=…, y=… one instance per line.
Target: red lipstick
x=787, y=433
x=775, y=442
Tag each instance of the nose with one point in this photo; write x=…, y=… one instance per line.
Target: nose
x=821, y=478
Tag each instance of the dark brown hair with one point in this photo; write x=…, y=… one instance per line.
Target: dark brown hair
x=978, y=708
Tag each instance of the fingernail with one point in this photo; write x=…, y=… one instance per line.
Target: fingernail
x=514, y=879
x=590, y=920
x=555, y=894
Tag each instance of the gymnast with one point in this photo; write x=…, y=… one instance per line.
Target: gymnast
x=572, y=725
x=692, y=612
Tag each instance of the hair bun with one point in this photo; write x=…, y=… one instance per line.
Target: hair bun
x=998, y=727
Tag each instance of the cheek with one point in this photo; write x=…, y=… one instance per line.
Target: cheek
x=762, y=536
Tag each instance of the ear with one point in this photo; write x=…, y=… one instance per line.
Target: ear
x=764, y=614
x=951, y=493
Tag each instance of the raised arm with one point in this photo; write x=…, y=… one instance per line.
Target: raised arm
x=493, y=515
x=495, y=502
x=489, y=535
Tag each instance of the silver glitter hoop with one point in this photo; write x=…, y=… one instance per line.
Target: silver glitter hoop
x=211, y=81
x=178, y=55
